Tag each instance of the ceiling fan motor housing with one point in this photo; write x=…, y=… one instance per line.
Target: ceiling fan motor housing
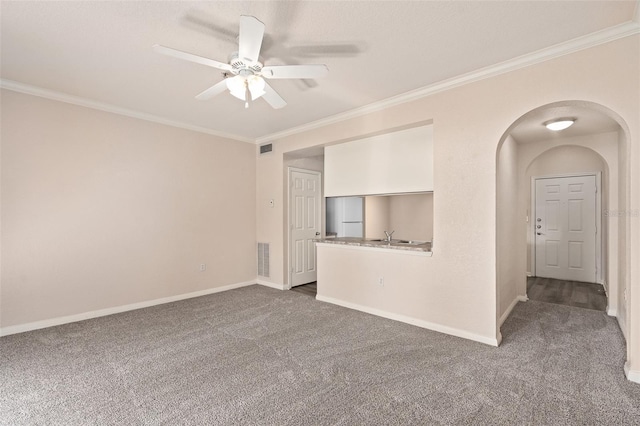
x=239, y=67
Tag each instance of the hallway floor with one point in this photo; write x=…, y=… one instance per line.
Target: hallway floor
x=310, y=289
x=569, y=293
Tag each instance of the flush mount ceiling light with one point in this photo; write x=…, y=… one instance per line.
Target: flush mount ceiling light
x=559, y=123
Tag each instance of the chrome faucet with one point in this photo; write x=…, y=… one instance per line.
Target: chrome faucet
x=389, y=235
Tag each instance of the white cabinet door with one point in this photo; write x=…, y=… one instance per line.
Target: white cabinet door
x=385, y=164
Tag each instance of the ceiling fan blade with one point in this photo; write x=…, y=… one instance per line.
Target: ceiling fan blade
x=212, y=91
x=191, y=57
x=272, y=97
x=250, y=38
x=295, y=71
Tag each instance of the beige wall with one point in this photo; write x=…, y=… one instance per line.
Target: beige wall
x=101, y=210
x=409, y=215
x=509, y=266
x=469, y=121
x=376, y=216
x=623, y=255
x=350, y=276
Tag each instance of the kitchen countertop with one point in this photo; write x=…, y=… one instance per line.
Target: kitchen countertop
x=364, y=242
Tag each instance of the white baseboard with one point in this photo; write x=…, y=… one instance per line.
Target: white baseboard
x=632, y=375
x=272, y=285
x=36, y=325
x=513, y=304
x=413, y=321
x=612, y=312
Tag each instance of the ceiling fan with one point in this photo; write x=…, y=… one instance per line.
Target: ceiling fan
x=245, y=74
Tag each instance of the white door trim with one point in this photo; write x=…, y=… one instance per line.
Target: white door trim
x=287, y=286
x=532, y=223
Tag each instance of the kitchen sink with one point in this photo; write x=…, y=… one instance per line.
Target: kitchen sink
x=412, y=242
x=403, y=242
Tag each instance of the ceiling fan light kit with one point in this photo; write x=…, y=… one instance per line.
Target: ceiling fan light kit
x=240, y=85
x=244, y=74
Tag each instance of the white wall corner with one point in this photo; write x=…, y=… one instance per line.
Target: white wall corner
x=272, y=285
x=37, y=325
x=632, y=375
x=612, y=312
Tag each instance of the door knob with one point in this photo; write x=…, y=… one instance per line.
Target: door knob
x=538, y=220
x=538, y=226
x=539, y=233
x=317, y=233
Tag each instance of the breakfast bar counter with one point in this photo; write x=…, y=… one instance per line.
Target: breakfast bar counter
x=417, y=247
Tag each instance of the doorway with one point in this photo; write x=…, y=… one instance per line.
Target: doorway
x=566, y=229
x=598, y=143
x=305, y=223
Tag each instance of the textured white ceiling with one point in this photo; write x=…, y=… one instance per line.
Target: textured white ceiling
x=374, y=50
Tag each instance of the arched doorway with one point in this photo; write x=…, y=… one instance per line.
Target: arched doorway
x=599, y=134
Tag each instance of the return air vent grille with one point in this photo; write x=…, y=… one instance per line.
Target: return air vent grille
x=263, y=259
x=266, y=148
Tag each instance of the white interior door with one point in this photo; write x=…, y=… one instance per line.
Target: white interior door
x=565, y=228
x=305, y=201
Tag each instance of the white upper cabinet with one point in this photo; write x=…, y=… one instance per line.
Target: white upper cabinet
x=391, y=163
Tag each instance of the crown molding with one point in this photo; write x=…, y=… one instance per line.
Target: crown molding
x=88, y=103
x=594, y=39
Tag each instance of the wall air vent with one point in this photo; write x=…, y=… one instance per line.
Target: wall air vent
x=263, y=260
x=266, y=148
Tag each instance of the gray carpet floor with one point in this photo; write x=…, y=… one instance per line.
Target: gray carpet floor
x=261, y=356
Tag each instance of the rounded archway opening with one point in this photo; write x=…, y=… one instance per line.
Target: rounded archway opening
x=596, y=144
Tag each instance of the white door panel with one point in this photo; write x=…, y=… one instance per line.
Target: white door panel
x=305, y=204
x=565, y=234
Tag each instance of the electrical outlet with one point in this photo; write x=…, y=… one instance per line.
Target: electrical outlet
x=203, y=267
x=381, y=281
